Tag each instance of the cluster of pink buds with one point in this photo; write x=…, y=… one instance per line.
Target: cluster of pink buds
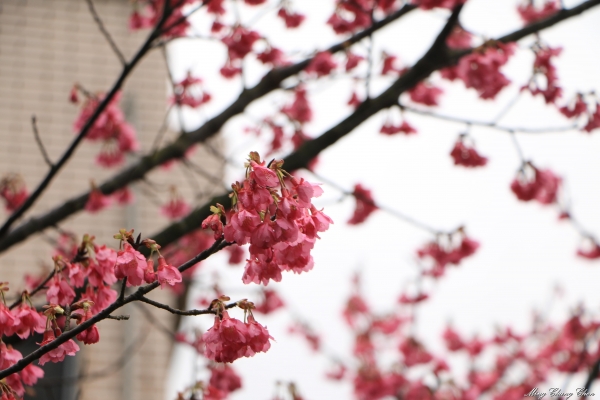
x=272, y=211
x=530, y=13
x=110, y=128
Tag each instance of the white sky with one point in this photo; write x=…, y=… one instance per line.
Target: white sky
x=525, y=251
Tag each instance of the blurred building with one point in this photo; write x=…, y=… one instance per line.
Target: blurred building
x=45, y=47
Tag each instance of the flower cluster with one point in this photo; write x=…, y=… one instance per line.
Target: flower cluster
x=365, y=205
x=12, y=387
x=480, y=70
x=229, y=338
x=281, y=226
x=148, y=13
x=352, y=15
x=110, y=128
x=530, y=13
x=188, y=92
x=543, y=68
x=452, y=252
x=532, y=183
x=466, y=155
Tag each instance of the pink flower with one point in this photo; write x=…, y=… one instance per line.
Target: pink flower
x=271, y=302
x=480, y=70
x=96, y=201
x=365, y=205
x=291, y=19
x=8, y=322
x=239, y=43
x=224, y=378
x=261, y=268
x=414, y=352
x=466, y=156
x=226, y=340
x=214, y=223
x=424, y=93
x=530, y=13
x=91, y=334
x=322, y=64
x=69, y=348
x=352, y=60
x=459, y=38
x=404, y=127
x=300, y=109
x=542, y=186
x=264, y=176
x=591, y=251
x=167, y=274
x=175, y=208
x=453, y=340
x=130, y=264
x=236, y=254
x=59, y=291
x=29, y=321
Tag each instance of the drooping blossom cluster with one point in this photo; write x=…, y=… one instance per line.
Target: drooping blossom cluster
x=239, y=44
x=189, y=92
x=532, y=183
x=13, y=191
x=229, y=338
x=365, y=204
x=466, y=155
x=352, y=15
x=176, y=207
x=480, y=70
x=389, y=128
x=425, y=93
x=545, y=70
x=452, y=251
x=530, y=12
x=110, y=128
x=147, y=14
x=584, y=105
x=272, y=211
x=13, y=386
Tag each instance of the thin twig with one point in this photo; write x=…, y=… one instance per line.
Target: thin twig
x=394, y=213
x=106, y=34
x=36, y=134
x=492, y=124
x=181, y=312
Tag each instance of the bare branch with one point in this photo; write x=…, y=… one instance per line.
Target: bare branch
x=181, y=312
x=492, y=125
x=36, y=134
x=105, y=32
x=436, y=58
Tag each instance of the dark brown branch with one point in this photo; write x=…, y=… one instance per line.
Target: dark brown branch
x=176, y=150
x=127, y=69
x=105, y=314
x=181, y=312
x=105, y=33
x=436, y=58
x=592, y=376
x=38, y=140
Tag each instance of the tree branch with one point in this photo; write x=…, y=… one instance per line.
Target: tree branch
x=181, y=312
x=127, y=69
x=176, y=150
x=106, y=34
x=105, y=314
x=436, y=58
x=38, y=140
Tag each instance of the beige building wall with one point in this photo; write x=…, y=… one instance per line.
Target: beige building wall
x=45, y=47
